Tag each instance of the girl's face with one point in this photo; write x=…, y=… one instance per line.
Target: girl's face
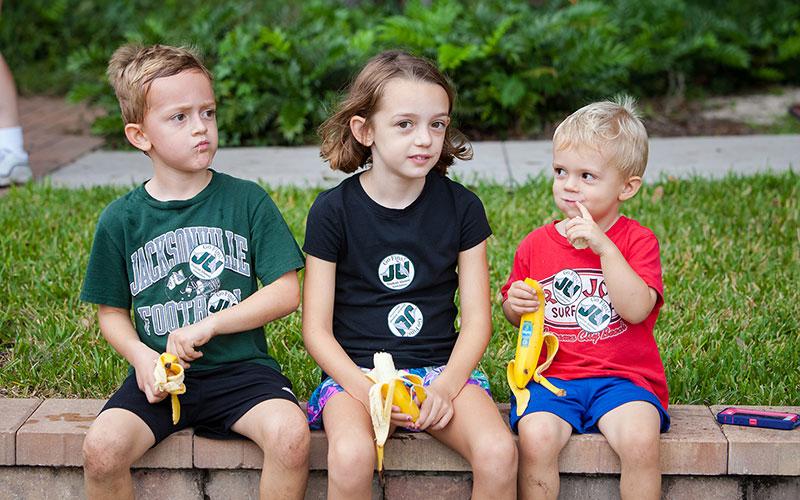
x=407, y=130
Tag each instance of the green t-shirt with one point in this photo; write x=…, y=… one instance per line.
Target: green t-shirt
x=175, y=262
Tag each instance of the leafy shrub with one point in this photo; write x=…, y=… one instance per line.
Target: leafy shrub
x=516, y=64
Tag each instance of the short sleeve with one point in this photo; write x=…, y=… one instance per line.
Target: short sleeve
x=106, y=281
x=323, y=231
x=644, y=257
x=474, y=226
x=275, y=251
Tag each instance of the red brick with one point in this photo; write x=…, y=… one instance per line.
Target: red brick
x=14, y=412
x=428, y=486
x=245, y=454
x=755, y=450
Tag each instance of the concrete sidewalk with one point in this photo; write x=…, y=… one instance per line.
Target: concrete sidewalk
x=504, y=162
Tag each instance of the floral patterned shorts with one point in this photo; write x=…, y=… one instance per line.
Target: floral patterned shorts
x=328, y=388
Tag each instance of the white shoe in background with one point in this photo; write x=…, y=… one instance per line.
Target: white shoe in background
x=14, y=167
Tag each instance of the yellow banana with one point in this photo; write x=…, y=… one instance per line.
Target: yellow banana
x=530, y=339
x=389, y=388
x=168, y=375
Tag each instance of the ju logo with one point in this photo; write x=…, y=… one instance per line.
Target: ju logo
x=593, y=314
x=396, y=271
x=405, y=320
x=527, y=331
x=207, y=261
x=567, y=286
x=220, y=300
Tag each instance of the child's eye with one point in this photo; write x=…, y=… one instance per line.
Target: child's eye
x=209, y=113
x=439, y=125
x=178, y=117
x=404, y=124
x=587, y=176
x=558, y=171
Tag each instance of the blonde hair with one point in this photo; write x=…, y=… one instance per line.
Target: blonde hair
x=341, y=149
x=133, y=68
x=613, y=128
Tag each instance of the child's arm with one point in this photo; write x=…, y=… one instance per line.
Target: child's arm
x=276, y=300
x=117, y=329
x=319, y=287
x=633, y=299
x=476, y=331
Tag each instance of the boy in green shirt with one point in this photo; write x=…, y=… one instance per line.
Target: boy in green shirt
x=184, y=251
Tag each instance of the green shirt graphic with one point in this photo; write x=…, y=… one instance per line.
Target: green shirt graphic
x=176, y=262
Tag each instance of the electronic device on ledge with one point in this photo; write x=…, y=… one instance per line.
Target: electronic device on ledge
x=758, y=418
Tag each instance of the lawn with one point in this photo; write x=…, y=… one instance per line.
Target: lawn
x=728, y=332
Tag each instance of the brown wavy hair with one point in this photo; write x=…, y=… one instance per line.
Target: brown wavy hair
x=341, y=149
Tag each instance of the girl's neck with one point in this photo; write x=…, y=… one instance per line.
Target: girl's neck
x=391, y=191
x=170, y=185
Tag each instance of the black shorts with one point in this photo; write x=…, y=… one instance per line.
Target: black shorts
x=214, y=400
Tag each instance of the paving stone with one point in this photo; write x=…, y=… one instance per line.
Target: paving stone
x=41, y=483
x=186, y=484
x=54, y=433
x=421, y=452
x=581, y=487
x=14, y=412
x=759, y=451
x=239, y=484
x=694, y=444
x=773, y=488
x=428, y=486
x=245, y=454
x=707, y=488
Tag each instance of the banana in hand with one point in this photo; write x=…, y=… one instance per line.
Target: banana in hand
x=169, y=378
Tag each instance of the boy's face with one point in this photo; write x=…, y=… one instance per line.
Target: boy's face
x=179, y=131
x=581, y=174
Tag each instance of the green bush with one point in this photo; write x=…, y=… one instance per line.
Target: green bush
x=516, y=64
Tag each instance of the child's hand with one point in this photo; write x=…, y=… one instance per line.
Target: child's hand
x=436, y=410
x=400, y=419
x=143, y=365
x=521, y=298
x=585, y=230
x=184, y=341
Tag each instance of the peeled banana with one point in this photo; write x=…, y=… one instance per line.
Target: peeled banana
x=169, y=377
x=530, y=339
x=390, y=388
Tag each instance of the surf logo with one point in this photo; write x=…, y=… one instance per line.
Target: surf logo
x=405, y=320
x=207, y=261
x=220, y=300
x=396, y=271
x=593, y=314
x=567, y=286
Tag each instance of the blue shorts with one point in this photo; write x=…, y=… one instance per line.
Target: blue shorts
x=587, y=400
x=328, y=388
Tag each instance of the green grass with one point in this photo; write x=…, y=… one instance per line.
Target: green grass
x=727, y=333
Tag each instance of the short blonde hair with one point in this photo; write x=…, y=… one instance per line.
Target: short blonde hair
x=133, y=68
x=341, y=149
x=613, y=128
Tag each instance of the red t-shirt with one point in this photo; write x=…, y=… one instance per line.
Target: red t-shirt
x=593, y=340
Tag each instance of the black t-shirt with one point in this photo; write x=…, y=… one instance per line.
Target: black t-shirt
x=396, y=268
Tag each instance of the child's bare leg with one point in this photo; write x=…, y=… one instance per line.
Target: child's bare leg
x=542, y=435
x=479, y=434
x=632, y=430
x=280, y=429
x=116, y=439
x=351, y=448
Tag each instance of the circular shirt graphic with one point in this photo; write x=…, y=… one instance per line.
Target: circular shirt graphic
x=182, y=285
x=207, y=261
x=567, y=286
x=396, y=271
x=405, y=320
x=593, y=314
x=221, y=300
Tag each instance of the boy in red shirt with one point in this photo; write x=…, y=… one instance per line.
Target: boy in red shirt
x=601, y=275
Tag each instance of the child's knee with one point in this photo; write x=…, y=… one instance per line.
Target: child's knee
x=287, y=440
x=639, y=448
x=542, y=437
x=103, y=454
x=496, y=455
x=351, y=456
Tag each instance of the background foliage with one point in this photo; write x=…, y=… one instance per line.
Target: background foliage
x=727, y=332
x=517, y=64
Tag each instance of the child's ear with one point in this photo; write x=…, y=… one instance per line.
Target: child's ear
x=361, y=131
x=137, y=137
x=630, y=188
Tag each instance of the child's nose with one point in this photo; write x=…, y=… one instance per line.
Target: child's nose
x=199, y=125
x=422, y=137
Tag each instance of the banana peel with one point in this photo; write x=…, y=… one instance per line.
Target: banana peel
x=168, y=375
x=391, y=387
x=530, y=339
